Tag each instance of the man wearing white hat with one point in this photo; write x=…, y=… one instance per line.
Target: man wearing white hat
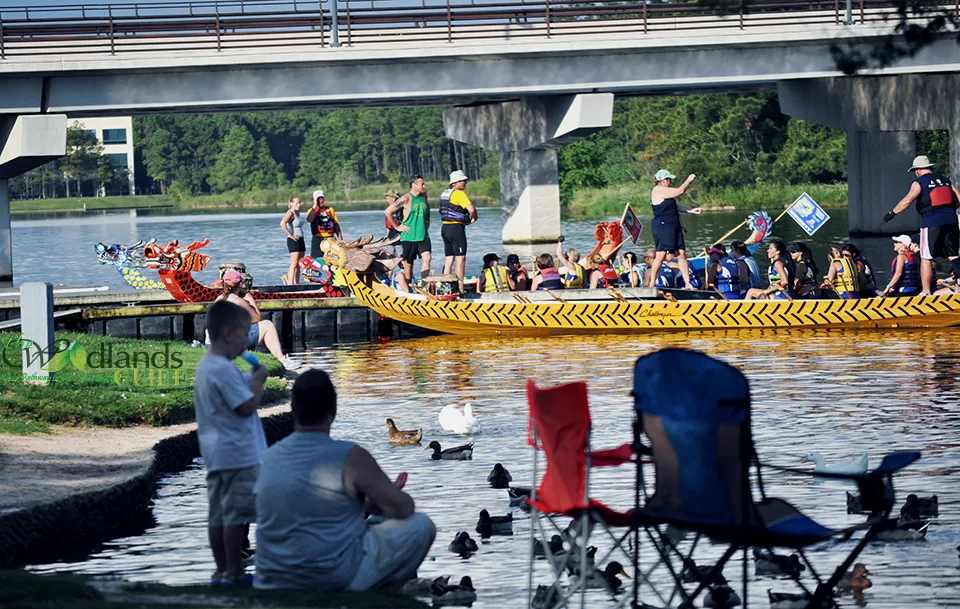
x=456, y=211
x=323, y=224
x=937, y=202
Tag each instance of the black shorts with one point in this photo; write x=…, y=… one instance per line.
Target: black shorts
x=454, y=239
x=940, y=241
x=411, y=250
x=668, y=238
x=296, y=245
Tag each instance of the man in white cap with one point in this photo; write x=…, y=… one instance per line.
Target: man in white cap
x=323, y=224
x=937, y=201
x=456, y=211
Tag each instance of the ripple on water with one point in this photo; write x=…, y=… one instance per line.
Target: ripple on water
x=841, y=394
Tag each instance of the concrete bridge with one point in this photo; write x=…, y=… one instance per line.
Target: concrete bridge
x=522, y=78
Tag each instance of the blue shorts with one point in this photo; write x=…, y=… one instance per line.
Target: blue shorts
x=253, y=338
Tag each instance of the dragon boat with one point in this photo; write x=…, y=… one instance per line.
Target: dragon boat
x=128, y=260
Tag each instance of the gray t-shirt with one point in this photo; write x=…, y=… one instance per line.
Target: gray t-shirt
x=309, y=526
x=227, y=439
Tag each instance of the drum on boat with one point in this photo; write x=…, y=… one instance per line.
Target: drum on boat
x=444, y=287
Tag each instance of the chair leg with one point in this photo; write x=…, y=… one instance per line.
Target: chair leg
x=825, y=590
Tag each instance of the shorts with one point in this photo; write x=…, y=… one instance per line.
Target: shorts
x=668, y=238
x=411, y=250
x=296, y=245
x=940, y=241
x=454, y=239
x=393, y=550
x=392, y=233
x=231, y=498
x=253, y=338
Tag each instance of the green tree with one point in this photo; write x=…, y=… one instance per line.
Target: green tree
x=83, y=157
x=161, y=156
x=236, y=162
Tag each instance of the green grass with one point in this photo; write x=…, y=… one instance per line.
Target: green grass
x=610, y=201
x=23, y=590
x=108, y=391
x=22, y=427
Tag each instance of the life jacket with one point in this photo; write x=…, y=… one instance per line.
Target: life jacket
x=774, y=277
x=609, y=277
x=574, y=279
x=909, y=283
x=495, y=279
x=935, y=194
x=667, y=277
x=754, y=270
x=550, y=279
x=450, y=212
x=846, y=283
x=397, y=217
x=808, y=283
x=728, y=277
x=323, y=224
x=871, y=282
x=694, y=280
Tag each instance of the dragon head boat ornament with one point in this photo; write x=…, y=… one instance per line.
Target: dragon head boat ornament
x=174, y=257
x=127, y=260
x=609, y=236
x=363, y=256
x=760, y=224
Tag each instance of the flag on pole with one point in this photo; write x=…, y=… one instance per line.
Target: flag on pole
x=631, y=223
x=808, y=214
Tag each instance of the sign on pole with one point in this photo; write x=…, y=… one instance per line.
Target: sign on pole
x=808, y=214
x=631, y=223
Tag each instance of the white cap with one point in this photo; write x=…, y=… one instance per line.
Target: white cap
x=317, y=194
x=904, y=239
x=458, y=176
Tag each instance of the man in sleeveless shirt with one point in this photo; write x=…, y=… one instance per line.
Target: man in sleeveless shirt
x=413, y=229
x=312, y=496
x=937, y=202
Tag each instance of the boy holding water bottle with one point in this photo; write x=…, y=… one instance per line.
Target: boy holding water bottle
x=231, y=437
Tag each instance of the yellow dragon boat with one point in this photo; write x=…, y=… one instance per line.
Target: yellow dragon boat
x=612, y=312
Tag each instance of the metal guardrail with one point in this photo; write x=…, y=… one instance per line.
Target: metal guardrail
x=204, y=25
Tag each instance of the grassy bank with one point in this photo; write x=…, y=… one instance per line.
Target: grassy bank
x=23, y=590
x=108, y=381
x=597, y=203
x=483, y=192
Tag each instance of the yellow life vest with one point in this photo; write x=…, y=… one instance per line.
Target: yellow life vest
x=577, y=282
x=495, y=279
x=846, y=280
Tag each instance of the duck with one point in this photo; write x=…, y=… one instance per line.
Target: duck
x=554, y=545
x=421, y=586
x=916, y=507
x=694, y=573
x=518, y=495
x=721, y=596
x=403, y=438
x=573, y=560
x=459, y=594
x=457, y=453
x=855, y=579
x=464, y=423
x=789, y=600
x=463, y=545
x=854, y=504
x=499, y=477
x=546, y=597
x=606, y=579
x=850, y=466
x=896, y=530
x=769, y=563
x=489, y=525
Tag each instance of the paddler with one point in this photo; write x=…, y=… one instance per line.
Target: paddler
x=843, y=278
x=494, y=278
x=666, y=227
x=575, y=275
x=729, y=276
x=780, y=274
x=904, y=270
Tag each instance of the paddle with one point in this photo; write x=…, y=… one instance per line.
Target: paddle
x=714, y=288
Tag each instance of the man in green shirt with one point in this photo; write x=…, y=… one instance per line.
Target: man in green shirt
x=414, y=236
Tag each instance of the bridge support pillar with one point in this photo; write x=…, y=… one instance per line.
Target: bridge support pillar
x=877, y=179
x=526, y=134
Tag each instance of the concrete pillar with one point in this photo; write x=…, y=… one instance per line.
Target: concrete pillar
x=526, y=134
x=6, y=244
x=36, y=325
x=877, y=178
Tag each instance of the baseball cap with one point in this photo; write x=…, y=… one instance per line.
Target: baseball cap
x=904, y=239
x=317, y=194
x=458, y=176
x=490, y=258
x=663, y=174
x=716, y=249
x=232, y=276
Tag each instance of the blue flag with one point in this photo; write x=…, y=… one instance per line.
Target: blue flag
x=808, y=214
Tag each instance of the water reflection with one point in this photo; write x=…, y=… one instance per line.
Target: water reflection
x=837, y=393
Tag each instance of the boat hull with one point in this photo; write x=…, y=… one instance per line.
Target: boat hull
x=608, y=315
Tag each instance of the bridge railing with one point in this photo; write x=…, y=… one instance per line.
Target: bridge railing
x=252, y=25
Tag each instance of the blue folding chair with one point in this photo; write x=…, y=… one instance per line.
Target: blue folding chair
x=695, y=413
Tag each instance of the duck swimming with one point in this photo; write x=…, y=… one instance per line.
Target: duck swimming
x=460, y=594
x=915, y=507
x=896, y=530
x=855, y=504
x=694, y=573
x=721, y=596
x=499, y=477
x=463, y=545
x=403, y=438
x=769, y=563
x=607, y=579
x=453, y=420
x=518, y=495
x=420, y=586
x=457, y=453
x=855, y=579
x=555, y=546
x=494, y=525
x=789, y=600
x=850, y=466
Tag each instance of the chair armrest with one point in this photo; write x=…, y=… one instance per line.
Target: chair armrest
x=891, y=463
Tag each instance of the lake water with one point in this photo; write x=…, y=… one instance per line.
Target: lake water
x=841, y=394
x=60, y=250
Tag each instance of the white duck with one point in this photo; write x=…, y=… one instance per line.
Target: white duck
x=451, y=419
x=850, y=466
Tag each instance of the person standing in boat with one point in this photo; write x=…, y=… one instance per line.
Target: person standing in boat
x=323, y=224
x=666, y=227
x=781, y=274
x=904, y=270
x=292, y=224
x=414, y=231
x=493, y=277
x=456, y=211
